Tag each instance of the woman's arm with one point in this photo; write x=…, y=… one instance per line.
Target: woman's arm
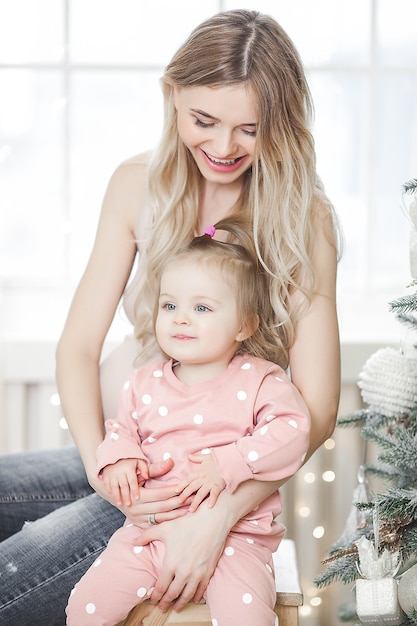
x=92, y=311
x=315, y=354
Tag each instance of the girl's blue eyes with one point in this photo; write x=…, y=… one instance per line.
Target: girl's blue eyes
x=198, y=122
x=200, y=308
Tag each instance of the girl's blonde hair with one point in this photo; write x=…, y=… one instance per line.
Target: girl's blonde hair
x=281, y=196
x=237, y=261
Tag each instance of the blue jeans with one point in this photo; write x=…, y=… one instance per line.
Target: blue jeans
x=52, y=527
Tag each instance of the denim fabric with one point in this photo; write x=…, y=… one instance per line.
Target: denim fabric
x=56, y=526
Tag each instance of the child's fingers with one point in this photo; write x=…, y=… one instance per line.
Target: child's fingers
x=197, y=457
x=200, y=495
x=183, y=484
x=134, y=487
x=107, y=486
x=112, y=489
x=213, y=495
x=188, y=491
x=123, y=490
x=143, y=469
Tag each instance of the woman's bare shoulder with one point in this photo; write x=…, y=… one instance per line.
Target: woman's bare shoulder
x=128, y=185
x=135, y=168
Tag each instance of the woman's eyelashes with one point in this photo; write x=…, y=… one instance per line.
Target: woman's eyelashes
x=202, y=124
x=199, y=122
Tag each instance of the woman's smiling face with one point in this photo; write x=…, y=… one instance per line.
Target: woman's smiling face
x=218, y=126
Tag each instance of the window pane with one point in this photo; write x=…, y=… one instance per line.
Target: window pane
x=114, y=115
x=327, y=32
x=31, y=187
x=394, y=162
x=397, y=32
x=129, y=32
x=31, y=31
x=341, y=137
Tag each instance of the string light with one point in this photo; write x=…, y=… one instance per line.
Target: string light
x=304, y=611
x=304, y=511
x=54, y=400
x=309, y=477
x=63, y=423
x=328, y=476
x=308, y=610
x=318, y=532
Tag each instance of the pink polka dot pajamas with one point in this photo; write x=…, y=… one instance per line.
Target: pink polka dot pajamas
x=254, y=422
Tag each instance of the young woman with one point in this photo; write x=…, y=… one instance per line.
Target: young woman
x=236, y=140
x=219, y=404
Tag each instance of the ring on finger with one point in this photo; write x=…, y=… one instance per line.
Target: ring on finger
x=151, y=519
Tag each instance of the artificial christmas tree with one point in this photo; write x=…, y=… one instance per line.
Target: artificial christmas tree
x=378, y=548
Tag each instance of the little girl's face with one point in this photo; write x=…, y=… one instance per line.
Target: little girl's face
x=218, y=126
x=197, y=320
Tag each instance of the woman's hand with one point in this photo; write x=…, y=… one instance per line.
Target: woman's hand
x=193, y=546
x=164, y=502
x=195, y=542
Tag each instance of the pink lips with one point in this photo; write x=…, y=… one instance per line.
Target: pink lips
x=223, y=167
x=183, y=337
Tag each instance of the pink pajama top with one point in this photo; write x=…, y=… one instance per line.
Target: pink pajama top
x=251, y=418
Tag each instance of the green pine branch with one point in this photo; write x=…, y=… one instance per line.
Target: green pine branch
x=397, y=504
x=363, y=417
x=357, y=418
x=409, y=542
x=407, y=320
x=410, y=186
x=343, y=570
x=347, y=612
x=410, y=621
x=404, y=304
x=346, y=542
x=389, y=475
x=398, y=455
x=412, y=618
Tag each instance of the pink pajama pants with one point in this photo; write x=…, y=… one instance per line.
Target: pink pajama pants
x=241, y=590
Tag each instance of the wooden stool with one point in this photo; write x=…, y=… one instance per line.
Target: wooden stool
x=289, y=598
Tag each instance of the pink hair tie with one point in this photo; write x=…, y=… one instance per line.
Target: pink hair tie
x=210, y=230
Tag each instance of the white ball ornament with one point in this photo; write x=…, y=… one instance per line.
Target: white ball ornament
x=388, y=382
x=407, y=592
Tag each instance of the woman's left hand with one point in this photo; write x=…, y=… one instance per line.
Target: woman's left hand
x=193, y=546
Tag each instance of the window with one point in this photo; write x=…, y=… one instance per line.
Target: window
x=80, y=93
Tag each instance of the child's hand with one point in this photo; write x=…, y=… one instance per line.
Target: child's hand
x=204, y=482
x=122, y=479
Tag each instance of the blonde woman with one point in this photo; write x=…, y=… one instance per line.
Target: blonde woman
x=236, y=140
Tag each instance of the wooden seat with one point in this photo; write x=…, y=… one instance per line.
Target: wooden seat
x=289, y=598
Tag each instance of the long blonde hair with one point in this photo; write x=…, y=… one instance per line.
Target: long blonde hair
x=281, y=195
